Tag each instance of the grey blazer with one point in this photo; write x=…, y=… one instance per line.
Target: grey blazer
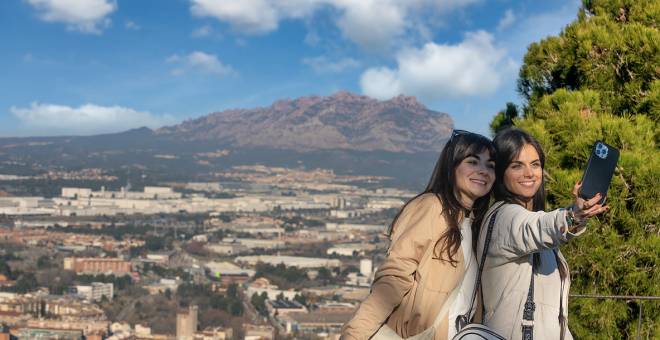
x=517, y=234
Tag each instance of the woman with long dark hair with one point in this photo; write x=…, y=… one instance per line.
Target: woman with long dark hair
x=526, y=280
x=431, y=248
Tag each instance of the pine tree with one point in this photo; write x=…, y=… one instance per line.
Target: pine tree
x=504, y=118
x=600, y=79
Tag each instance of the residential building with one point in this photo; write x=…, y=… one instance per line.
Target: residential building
x=65, y=310
x=214, y=333
x=142, y=332
x=96, y=335
x=4, y=332
x=259, y=332
x=14, y=318
x=96, y=265
x=94, y=291
x=86, y=327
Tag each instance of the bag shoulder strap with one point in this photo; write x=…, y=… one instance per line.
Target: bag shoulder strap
x=462, y=320
x=530, y=306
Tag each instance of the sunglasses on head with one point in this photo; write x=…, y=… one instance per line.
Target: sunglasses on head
x=464, y=132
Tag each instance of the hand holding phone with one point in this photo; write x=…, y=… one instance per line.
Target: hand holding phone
x=591, y=191
x=599, y=171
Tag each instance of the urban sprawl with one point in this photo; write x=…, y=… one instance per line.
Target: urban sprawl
x=260, y=253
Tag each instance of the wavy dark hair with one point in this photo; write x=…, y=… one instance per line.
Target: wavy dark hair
x=508, y=144
x=443, y=185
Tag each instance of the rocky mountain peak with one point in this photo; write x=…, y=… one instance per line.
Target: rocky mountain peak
x=343, y=120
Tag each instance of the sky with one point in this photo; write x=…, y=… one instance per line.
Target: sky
x=85, y=67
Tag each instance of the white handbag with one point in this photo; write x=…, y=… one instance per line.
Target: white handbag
x=477, y=331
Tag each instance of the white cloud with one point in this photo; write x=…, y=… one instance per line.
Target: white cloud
x=88, y=16
x=381, y=83
x=323, y=65
x=371, y=24
x=506, y=21
x=27, y=58
x=241, y=42
x=86, y=119
x=203, y=31
x=199, y=63
x=474, y=67
x=173, y=58
x=130, y=25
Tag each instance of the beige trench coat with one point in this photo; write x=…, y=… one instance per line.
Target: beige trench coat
x=412, y=284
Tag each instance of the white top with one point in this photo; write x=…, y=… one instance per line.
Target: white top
x=462, y=302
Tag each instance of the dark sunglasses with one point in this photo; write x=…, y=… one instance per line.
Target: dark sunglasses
x=464, y=132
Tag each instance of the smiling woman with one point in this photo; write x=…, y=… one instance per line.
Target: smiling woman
x=525, y=276
x=419, y=287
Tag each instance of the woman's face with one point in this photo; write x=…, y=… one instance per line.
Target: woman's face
x=523, y=176
x=474, y=177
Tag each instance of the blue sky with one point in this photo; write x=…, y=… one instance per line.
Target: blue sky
x=82, y=67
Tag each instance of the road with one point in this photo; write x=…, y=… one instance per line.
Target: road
x=129, y=309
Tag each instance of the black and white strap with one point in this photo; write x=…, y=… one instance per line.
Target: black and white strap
x=530, y=306
x=464, y=320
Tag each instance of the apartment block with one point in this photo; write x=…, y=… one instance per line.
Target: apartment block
x=96, y=265
x=93, y=292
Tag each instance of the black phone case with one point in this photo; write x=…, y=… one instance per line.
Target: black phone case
x=599, y=171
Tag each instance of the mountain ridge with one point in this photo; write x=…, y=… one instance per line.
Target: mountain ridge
x=340, y=121
x=348, y=133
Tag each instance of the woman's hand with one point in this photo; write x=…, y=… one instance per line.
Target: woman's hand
x=585, y=210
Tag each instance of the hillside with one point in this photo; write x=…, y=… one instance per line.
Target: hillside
x=340, y=121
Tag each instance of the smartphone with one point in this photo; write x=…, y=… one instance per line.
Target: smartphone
x=600, y=168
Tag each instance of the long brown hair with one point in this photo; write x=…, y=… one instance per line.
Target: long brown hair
x=443, y=185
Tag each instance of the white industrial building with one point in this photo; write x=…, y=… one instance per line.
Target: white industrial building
x=256, y=243
x=227, y=248
x=345, y=251
x=356, y=227
x=93, y=292
x=289, y=261
x=272, y=293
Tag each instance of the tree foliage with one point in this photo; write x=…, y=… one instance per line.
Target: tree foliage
x=259, y=302
x=291, y=274
x=600, y=79
x=504, y=118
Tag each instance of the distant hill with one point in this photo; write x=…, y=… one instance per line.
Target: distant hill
x=340, y=121
x=344, y=132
